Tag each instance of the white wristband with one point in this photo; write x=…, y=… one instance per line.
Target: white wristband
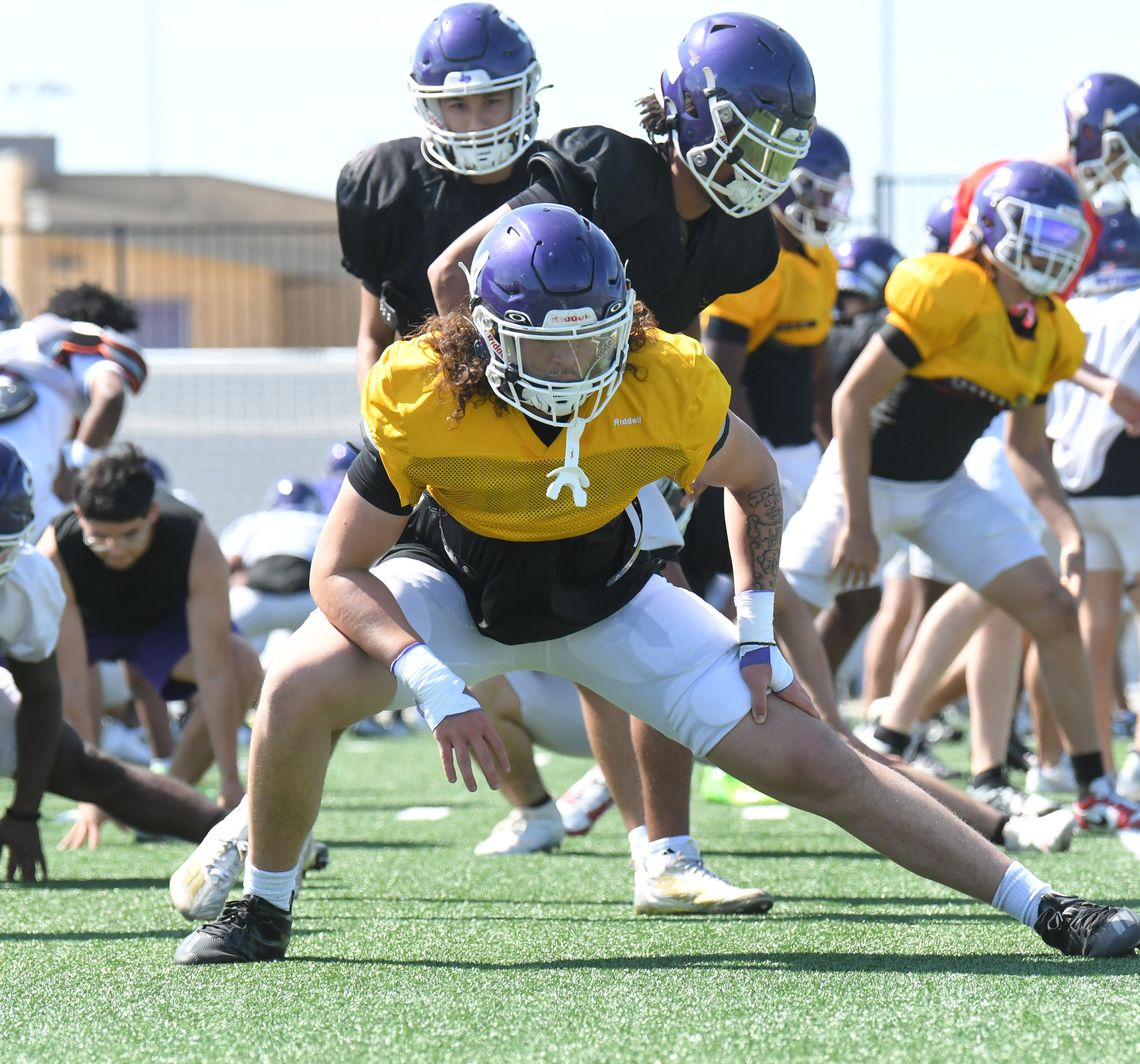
x=439, y=692
x=79, y=455
x=754, y=612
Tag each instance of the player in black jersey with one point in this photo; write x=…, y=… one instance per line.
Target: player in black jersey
x=400, y=203
x=147, y=583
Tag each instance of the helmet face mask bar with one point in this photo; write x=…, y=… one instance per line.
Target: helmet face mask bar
x=1042, y=247
x=1105, y=180
x=567, y=367
x=473, y=50
x=820, y=208
x=1102, y=115
x=478, y=151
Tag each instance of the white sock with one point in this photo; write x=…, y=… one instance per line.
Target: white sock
x=676, y=843
x=1019, y=894
x=275, y=887
x=638, y=842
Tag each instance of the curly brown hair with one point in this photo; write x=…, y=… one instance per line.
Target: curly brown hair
x=463, y=361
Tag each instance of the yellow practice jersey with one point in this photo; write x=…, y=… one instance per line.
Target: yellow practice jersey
x=490, y=471
x=792, y=306
x=959, y=325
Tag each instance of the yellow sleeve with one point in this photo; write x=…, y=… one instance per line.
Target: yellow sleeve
x=931, y=299
x=755, y=309
x=1071, y=343
x=384, y=420
x=708, y=394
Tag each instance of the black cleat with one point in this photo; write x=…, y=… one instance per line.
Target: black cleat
x=248, y=930
x=1085, y=929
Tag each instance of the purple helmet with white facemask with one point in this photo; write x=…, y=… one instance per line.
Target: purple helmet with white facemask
x=938, y=224
x=16, y=513
x=816, y=204
x=289, y=493
x=471, y=50
x=1115, y=265
x=740, y=95
x=550, y=300
x=865, y=264
x=1103, y=118
x=1030, y=217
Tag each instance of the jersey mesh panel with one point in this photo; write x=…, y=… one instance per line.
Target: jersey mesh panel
x=506, y=499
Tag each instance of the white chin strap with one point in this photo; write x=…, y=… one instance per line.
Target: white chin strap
x=570, y=475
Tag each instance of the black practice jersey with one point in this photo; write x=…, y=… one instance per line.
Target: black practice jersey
x=396, y=213
x=623, y=185
x=847, y=339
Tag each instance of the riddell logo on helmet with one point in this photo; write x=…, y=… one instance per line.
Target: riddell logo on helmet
x=585, y=316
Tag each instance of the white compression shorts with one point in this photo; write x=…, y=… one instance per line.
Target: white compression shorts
x=1111, y=525
x=665, y=656
x=551, y=712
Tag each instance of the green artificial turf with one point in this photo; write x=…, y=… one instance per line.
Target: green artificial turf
x=409, y=948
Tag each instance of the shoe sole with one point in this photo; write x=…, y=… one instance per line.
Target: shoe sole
x=756, y=906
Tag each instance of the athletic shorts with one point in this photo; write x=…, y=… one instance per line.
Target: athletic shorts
x=9, y=707
x=154, y=653
x=970, y=532
x=1111, y=524
x=551, y=712
x=665, y=656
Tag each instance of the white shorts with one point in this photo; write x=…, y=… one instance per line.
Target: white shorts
x=261, y=612
x=665, y=657
x=796, y=466
x=9, y=707
x=551, y=712
x=964, y=528
x=988, y=467
x=1111, y=525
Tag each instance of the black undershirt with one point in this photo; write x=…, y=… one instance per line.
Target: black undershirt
x=1120, y=477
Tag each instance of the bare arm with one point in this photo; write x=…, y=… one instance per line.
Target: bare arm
x=373, y=336
x=79, y=709
x=731, y=356
x=1123, y=400
x=448, y=285
x=875, y=372
x=823, y=389
x=208, y=622
x=38, y=723
x=108, y=399
x=1030, y=458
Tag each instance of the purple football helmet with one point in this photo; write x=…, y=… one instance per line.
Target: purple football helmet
x=15, y=505
x=10, y=316
x=1103, y=118
x=741, y=94
x=550, y=300
x=1115, y=265
x=938, y=224
x=341, y=455
x=289, y=493
x=865, y=263
x=1030, y=218
x=816, y=204
x=471, y=50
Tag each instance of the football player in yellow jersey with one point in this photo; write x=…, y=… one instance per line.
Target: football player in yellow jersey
x=771, y=341
x=584, y=399
x=966, y=337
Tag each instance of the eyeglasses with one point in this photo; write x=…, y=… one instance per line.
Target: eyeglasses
x=103, y=544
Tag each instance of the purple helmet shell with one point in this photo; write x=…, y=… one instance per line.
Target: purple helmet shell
x=10, y=316
x=550, y=300
x=816, y=204
x=938, y=223
x=1030, y=217
x=1115, y=265
x=341, y=455
x=865, y=263
x=289, y=493
x=1103, y=118
x=741, y=91
x=16, y=512
x=475, y=50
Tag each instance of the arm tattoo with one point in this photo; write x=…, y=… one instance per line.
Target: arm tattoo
x=764, y=510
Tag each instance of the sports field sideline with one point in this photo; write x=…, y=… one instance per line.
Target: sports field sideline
x=408, y=948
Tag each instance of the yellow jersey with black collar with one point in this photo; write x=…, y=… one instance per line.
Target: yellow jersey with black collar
x=967, y=359
x=489, y=470
x=781, y=321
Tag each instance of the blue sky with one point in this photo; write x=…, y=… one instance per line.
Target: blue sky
x=282, y=92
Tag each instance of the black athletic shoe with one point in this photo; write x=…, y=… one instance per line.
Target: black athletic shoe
x=248, y=930
x=1085, y=929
